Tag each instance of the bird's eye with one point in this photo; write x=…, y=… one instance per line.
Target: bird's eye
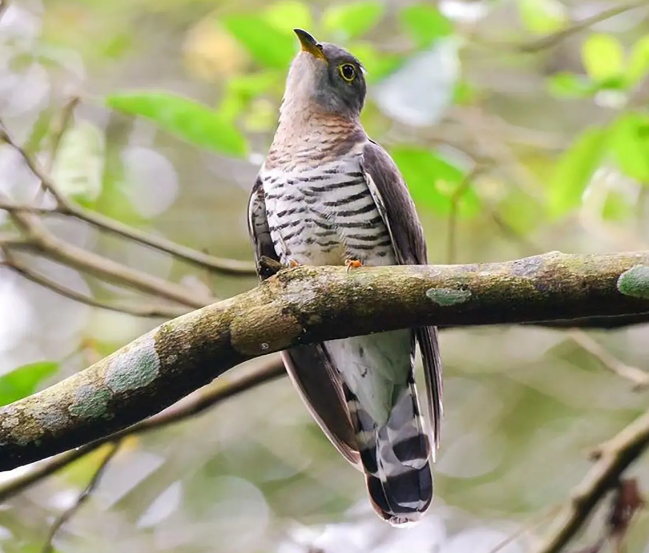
x=347, y=72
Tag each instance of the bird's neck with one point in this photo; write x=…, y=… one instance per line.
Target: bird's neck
x=298, y=125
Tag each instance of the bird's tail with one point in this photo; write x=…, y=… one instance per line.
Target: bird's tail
x=395, y=458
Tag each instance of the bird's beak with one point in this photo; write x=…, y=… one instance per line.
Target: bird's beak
x=310, y=44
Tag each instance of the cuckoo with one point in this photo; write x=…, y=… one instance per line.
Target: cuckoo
x=327, y=194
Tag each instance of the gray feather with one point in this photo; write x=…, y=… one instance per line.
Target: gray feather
x=398, y=211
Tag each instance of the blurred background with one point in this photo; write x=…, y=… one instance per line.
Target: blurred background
x=520, y=126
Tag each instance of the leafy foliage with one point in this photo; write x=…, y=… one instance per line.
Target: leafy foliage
x=184, y=118
x=24, y=380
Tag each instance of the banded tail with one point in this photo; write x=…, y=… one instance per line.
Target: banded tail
x=395, y=458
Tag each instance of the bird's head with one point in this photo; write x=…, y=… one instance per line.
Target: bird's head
x=326, y=78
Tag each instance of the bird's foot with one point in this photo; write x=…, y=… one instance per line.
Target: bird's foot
x=352, y=264
x=292, y=263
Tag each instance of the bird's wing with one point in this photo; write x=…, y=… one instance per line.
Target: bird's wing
x=309, y=367
x=400, y=216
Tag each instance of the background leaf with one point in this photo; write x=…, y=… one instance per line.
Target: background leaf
x=569, y=85
x=79, y=164
x=425, y=24
x=24, y=380
x=266, y=44
x=603, y=56
x=183, y=117
x=352, y=20
x=433, y=181
x=289, y=14
x=639, y=61
x=575, y=169
x=630, y=145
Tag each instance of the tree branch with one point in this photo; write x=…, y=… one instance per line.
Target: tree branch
x=613, y=458
x=153, y=311
x=309, y=305
x=41, y=240
x=195, y=404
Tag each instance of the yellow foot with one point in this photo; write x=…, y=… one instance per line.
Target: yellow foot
x=352, y=264
x=292, y=263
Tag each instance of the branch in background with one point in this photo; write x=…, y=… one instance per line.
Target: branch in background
x=153, y=311
x=553, y=39
x=613, y=458
x=66, y=207
x=40, y=240
x=639, y=377
x=270, y=368
x=309, y=305
x=48, y=547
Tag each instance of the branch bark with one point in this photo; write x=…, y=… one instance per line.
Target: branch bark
x=309, y=305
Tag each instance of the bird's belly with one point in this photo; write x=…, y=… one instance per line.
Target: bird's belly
x=326, y=221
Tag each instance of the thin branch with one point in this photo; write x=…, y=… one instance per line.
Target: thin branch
x=613, y=458
x=66, y=207
x=151, y=311
x=42, y=241
x=310, y=305
x=83, y=497
x=553, y=39
x=270, y=368
x=639, y=377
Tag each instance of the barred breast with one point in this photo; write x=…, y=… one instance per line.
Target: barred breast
x=325, y=215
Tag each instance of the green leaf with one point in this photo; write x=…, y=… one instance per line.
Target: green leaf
x=464, y=93
x=435, y=182
x=575, y=169
x=267, y=45
x=183, y=117
x=289, y=14
x=639, y=61
x=24, y=380
x=243, y=89
x=570, y=85
x=603, y=57
x=630, y=145
x=79, y=164
x=542, y=16
x=352, y=20
x=425, y=24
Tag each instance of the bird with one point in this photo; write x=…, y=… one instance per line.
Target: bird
x=326, y=194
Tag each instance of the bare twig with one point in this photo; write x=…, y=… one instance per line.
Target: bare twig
x=83, y=497
x=268, y=369
x=41, y=240
x=553, y=39
x=153, y=311
x=613, y=458
x=66, y=207
x=639, y=377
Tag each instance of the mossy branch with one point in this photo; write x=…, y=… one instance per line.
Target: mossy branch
x=307, y=305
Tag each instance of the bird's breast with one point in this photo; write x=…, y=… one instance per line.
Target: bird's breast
x=325, y=215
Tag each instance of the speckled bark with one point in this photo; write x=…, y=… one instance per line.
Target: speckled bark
x=307, y=305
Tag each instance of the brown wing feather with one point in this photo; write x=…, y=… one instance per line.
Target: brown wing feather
x=398, y=211
x=309, y=367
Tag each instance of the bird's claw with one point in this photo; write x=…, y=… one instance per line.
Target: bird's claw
x=352, y=264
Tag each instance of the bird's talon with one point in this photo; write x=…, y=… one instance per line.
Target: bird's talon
x=352, y=264
x=292, y=264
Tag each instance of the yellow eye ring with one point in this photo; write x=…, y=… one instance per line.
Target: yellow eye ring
x=347, y=72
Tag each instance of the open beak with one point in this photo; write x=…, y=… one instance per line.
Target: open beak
x=310, y=44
